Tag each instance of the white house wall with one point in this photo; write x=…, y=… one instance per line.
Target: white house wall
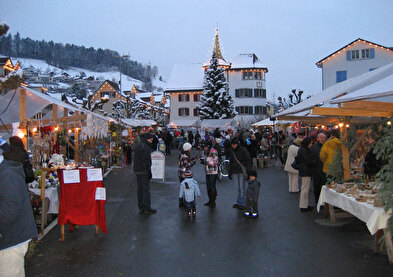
x=339, y=62
x=236, y=81
x=175, y=105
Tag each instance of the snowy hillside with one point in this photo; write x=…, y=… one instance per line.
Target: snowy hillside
x=127, y=82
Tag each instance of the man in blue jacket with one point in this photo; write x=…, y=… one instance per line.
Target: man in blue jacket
x=17, y=225
x=142, y=170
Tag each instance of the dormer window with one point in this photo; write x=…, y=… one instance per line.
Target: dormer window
x=361, y=54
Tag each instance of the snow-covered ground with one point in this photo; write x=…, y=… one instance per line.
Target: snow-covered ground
x=127, y=82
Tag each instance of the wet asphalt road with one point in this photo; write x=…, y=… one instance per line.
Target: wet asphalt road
x=218, y=242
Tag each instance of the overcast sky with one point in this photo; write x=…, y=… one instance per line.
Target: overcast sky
x=289, y=37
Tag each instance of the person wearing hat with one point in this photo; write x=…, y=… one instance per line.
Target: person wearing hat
x=189, y=191
x=211, y=167
x=217, y=146
x=185, y=163
x=240, y=163
x=252, y=195
x=293, y=174
x=17, y=223
x=142, y=170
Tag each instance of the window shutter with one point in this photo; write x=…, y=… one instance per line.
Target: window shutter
x=195, y=112
x=264, y=110
x=250, y=109
x=341, y=76
x=372, y=53
x=263, y=93
x=187, y=111
x=179, y=97
x=179, y=112
x=237, y=109
x=348, y=55
x=195, y=97
x=250, y=92
x=236, y=92
x=187, y=97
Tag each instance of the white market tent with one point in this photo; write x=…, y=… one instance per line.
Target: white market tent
x=222, y=124
x=268, y=122
x=337, y=91
x=36, y=102
x=185, y=123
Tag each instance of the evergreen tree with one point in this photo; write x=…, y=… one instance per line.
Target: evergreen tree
x=215, y=102
x=130, y=108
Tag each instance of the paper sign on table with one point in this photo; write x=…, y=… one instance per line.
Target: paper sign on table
x=94, y=174
x=100, y=194
x=71, y=176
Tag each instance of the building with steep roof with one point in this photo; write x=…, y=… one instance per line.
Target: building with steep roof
x=110, y=90
x=6, y=66
x=354, y=59
x=245, y=74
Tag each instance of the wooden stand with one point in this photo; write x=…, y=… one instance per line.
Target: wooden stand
x=77, y=227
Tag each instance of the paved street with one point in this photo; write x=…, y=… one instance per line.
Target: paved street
x=218, y=242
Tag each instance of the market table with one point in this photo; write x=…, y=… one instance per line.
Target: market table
x=53, y=196
x=375, y=217
x=79, y=204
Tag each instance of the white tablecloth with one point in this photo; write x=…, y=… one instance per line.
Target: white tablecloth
x=53, y=196
x=374, y=217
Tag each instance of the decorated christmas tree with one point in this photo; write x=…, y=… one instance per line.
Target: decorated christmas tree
x=130, y=108
x=215, y=102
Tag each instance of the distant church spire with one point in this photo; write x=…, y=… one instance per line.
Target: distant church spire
x=217, y=49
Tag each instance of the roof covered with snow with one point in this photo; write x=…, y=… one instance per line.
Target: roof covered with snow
x=186, y=77
x=381, y=88
x=247, y=61
x=341, y=89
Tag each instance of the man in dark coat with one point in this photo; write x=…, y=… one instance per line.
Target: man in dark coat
x=318, y=176
x=238, y=158
x=168, y=142
x=142, y=170
x=17, y=224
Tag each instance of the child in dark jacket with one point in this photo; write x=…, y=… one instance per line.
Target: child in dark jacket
x=252, y=194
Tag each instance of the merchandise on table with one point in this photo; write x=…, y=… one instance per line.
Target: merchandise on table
x=361, y=192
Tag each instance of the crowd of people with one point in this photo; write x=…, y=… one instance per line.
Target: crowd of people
x=304, y=157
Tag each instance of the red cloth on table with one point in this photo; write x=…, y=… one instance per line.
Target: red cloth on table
x=77, y=202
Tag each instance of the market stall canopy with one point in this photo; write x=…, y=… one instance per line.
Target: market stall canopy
x=138, y=122
x=36, y=101
x=268, y=122
x=223, y=124
x=185, y=123
x=339, y=90
x=381, y=90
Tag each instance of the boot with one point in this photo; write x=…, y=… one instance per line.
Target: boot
x=209, y=194
x=194, y=212
x=181, y=203
x=213, y=199
x=188, y=212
